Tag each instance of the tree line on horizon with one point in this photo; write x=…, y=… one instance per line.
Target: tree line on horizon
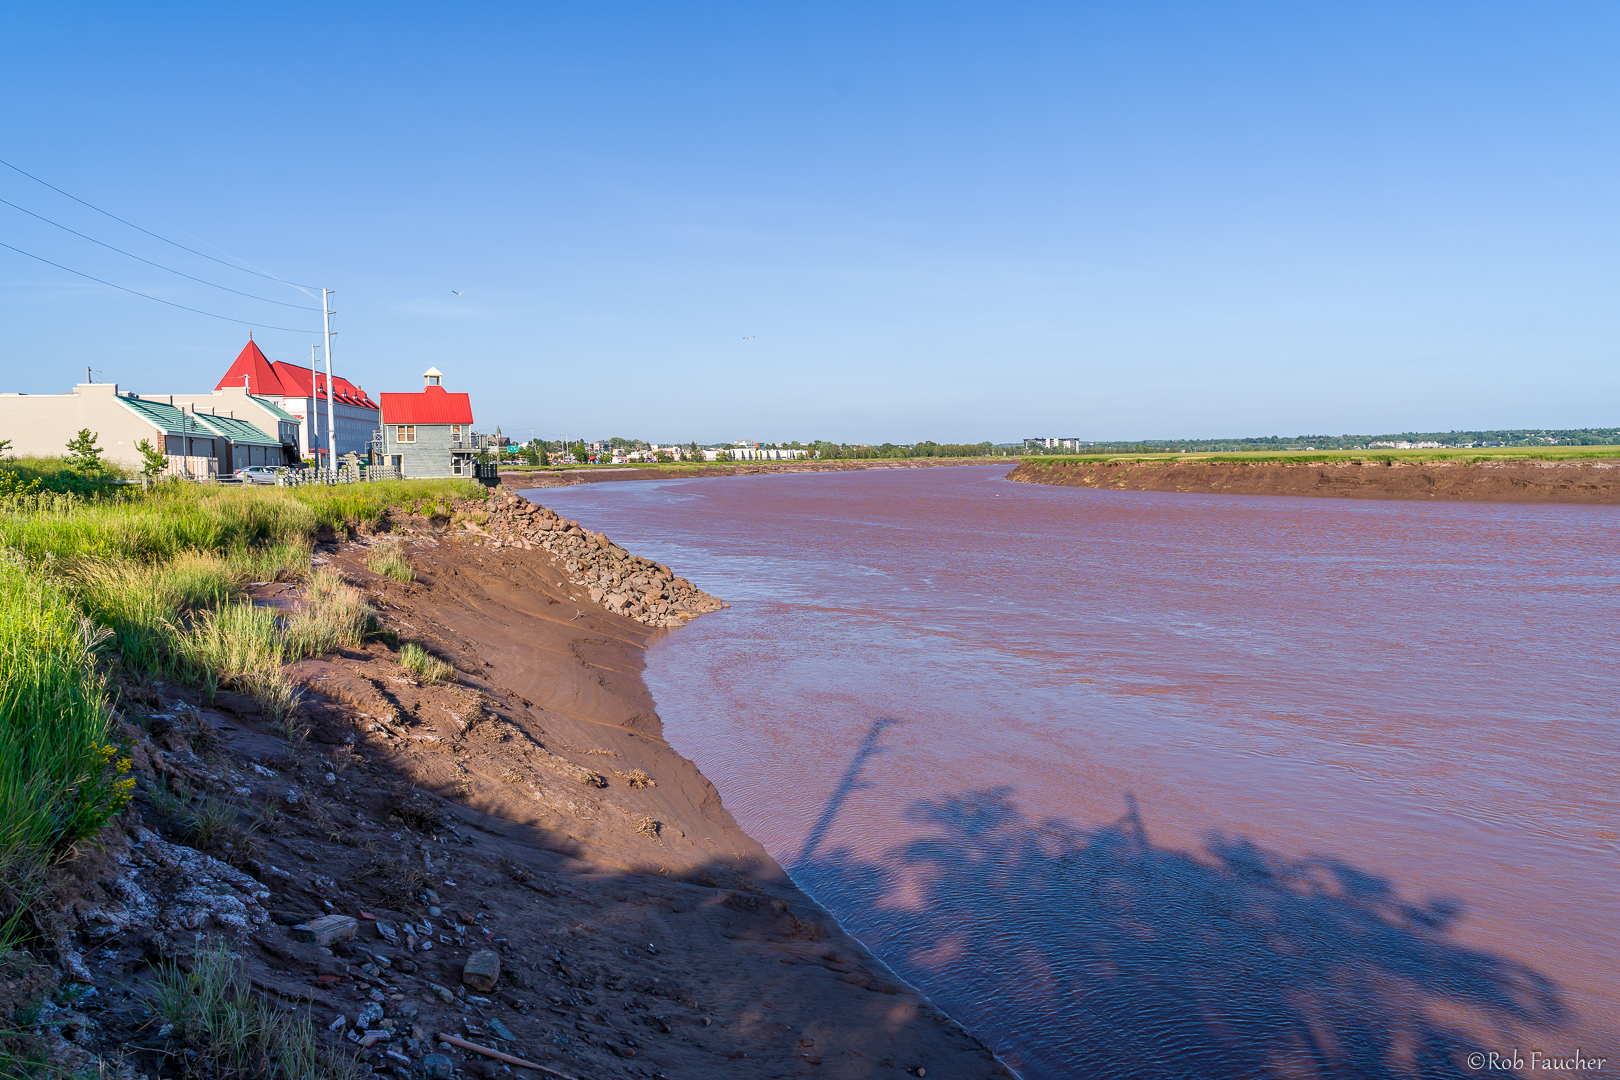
x=1606, y=436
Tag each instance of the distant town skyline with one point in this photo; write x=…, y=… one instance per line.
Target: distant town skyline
x=853, y=222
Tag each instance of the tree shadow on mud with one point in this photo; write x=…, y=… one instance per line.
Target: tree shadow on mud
x=1091, y=952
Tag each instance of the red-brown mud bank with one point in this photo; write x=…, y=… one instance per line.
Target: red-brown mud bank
x=1507, y=481
x=521, y=807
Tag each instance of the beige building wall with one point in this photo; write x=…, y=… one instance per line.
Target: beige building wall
x=42, y=424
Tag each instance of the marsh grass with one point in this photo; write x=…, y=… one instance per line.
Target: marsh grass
x=389, y=561
x=335, y=616
x=210, y=823
x=98, y=580
x=61, y=779
x=224, y=1031
x=423, y=664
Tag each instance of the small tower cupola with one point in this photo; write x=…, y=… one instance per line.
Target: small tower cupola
x=431, y=377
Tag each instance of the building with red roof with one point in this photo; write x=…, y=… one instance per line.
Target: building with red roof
x=303, y=392
x=429, y=433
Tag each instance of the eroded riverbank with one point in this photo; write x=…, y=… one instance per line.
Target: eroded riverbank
x=519, y=812
x=1583, y=481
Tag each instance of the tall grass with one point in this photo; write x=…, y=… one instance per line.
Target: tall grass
x=335, y=616
x=226, y=1032
x=59, y=780
x=389, y=561
x=423, y=664
x=153, y=579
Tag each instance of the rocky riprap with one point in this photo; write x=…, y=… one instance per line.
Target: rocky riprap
x=623, y=583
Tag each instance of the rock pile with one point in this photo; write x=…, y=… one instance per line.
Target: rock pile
x=622, y=583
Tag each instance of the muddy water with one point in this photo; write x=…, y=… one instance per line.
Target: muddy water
x=1160, y=785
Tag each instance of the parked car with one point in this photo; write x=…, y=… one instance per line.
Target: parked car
x=257, y=474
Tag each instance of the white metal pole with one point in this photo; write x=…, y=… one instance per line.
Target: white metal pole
x=315, y=413
x=331, y=431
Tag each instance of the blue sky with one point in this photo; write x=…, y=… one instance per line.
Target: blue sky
x=927, y=221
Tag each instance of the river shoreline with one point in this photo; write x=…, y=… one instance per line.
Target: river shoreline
x=540, y=479
x=521, y=811
x=1577, y=481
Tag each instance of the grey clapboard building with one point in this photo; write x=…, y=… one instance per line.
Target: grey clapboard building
x=428, y=433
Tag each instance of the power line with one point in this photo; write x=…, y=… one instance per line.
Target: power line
x=148, y=296
x=149, y=232
x=149, y=262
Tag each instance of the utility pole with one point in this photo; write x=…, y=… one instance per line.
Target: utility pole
x=331, y=432
x=315, y=417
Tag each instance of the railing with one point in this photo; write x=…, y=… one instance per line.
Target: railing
x=305, y=477
x=476, y=441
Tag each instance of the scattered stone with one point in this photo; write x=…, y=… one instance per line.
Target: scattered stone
x=438, y=1067
x=387, y=933
x=502, y=1031
x=483, y=968
x=442, y=993
x=327, y=929
x=339, y=1024
x=369, y=1015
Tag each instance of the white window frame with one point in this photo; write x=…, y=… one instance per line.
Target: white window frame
x=404, y=433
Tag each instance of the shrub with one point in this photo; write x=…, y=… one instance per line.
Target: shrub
x=83, y=455
x=423, y=664
x=153, y=460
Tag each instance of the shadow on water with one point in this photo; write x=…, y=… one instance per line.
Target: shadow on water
x=1091, y=952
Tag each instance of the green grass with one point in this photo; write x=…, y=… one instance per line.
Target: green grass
x=221, y=1030
x=140, y=585
x=335, y=616
x=1470, y=455
x=60, y=778
x=423, y=664
x=389, y=561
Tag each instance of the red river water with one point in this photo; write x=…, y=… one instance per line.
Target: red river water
x=1169, y=785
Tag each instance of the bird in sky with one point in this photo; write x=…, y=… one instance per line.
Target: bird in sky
x=454, y=293
x=750, y=337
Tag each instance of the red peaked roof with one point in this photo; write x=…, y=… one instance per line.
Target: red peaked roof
x=433, y=405
x=279, y=379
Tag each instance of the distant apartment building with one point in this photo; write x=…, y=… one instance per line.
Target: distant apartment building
x=1049, y=443
x=197, y=443
x=429, y=433
x=753, y=453
x=302, y=393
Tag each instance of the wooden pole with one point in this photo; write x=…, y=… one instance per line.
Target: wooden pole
x=457, y=1040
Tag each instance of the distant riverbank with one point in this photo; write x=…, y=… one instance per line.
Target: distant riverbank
x=554, y=478
x=1567, y=481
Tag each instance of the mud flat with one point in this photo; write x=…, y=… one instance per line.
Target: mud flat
x=1581, y=481
x=512, y=853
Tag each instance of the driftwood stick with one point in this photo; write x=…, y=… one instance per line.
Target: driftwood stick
x=457, y=1040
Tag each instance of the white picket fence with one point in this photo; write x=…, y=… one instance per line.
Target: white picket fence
x=305, y=477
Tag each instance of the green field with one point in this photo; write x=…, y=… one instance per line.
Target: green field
x=1303, y=457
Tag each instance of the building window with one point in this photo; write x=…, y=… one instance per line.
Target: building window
x=455, y=432
x=455, y=466
x=405, y=433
